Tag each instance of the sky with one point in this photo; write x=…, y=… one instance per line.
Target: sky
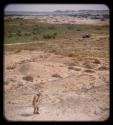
x=53, y=7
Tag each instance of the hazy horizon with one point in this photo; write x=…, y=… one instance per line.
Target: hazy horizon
x=53, y=7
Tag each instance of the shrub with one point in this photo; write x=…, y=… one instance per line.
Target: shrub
x=87, y=65
x=49, y=36
x=56, y=75
x=35, y=38
x=103, y=68
x=11, y=67
x=26, y=34
x=55, y=33
x=19, y=33
x=78, y=30
x=96, y=61
x=28, y=78
x=71, y=55
x=89, y=71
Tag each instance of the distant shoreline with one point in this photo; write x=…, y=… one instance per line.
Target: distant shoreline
x=94, y=14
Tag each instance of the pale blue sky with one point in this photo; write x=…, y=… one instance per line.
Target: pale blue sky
x=53, y=7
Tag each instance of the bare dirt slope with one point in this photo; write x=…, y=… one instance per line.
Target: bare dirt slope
x=69, y=91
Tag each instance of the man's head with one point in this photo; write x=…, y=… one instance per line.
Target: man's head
x=38, y=94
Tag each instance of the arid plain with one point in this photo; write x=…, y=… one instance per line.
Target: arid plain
x=69, y=70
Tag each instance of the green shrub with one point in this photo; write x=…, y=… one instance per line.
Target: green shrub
x=26, y=34
x=49, y=36
x=35, y=38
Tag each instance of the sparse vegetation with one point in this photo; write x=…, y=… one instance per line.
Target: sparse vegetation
x=20, y=30
x=62, y=39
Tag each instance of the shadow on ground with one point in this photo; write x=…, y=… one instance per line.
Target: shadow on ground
x=27, y=115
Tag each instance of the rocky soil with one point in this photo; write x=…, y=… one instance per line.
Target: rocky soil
x=69, y=91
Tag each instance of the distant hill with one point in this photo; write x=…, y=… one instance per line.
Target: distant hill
x=80, y=13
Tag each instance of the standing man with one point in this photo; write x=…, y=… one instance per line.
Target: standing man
x=35, y=103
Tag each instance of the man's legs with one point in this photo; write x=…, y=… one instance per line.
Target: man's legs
x=34, y=110
x=37, y=110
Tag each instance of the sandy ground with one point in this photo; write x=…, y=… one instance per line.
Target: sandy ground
x=74, y=94
x=65, y=20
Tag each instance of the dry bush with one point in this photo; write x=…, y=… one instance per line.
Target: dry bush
x=71, y=55
x=96, y=61
x=17, y=51
x=103, y=68
x=28, y=78
x=11, y=67
x=56, y=75
x=87, y=65
x=89, y=71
